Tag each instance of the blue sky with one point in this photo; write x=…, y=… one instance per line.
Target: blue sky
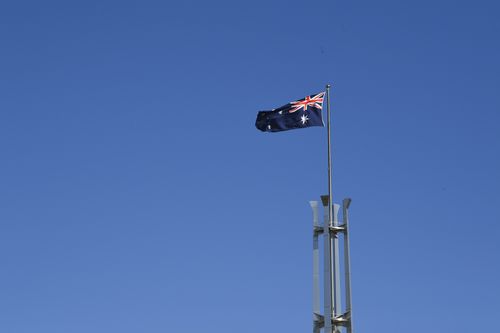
x=136, y=194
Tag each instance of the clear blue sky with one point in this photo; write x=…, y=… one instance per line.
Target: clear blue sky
x=137, y=196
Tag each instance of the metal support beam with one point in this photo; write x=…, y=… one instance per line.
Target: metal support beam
x=337, y=310
x=316, y=287
x=327, y=267
x=347, y=263
x=334, y=317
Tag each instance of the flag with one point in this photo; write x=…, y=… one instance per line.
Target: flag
x=305, y=112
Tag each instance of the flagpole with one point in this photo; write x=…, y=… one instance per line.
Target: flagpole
x=334, y=318
x=330, y=195
x=328, y=313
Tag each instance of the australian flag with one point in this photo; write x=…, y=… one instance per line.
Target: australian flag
x=305, y=112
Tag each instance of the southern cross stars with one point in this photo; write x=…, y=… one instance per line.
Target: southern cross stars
x=304, y=119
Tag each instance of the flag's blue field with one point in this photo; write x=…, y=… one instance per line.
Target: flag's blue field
x=136, y=194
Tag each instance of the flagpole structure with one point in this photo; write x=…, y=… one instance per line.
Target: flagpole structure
x=329, y=121
x=334, y=317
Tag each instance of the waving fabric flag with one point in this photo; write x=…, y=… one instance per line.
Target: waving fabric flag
x=305, y=112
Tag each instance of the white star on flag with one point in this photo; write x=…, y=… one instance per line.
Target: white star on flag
x=304, y=119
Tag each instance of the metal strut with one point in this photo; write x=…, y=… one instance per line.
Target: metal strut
x=334, y=316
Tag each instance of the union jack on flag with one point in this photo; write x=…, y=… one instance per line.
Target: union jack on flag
x=305, y=112
x=314, y=101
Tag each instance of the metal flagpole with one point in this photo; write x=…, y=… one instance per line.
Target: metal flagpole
x=330, y=195
x=334, y=319
x=328, y=241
